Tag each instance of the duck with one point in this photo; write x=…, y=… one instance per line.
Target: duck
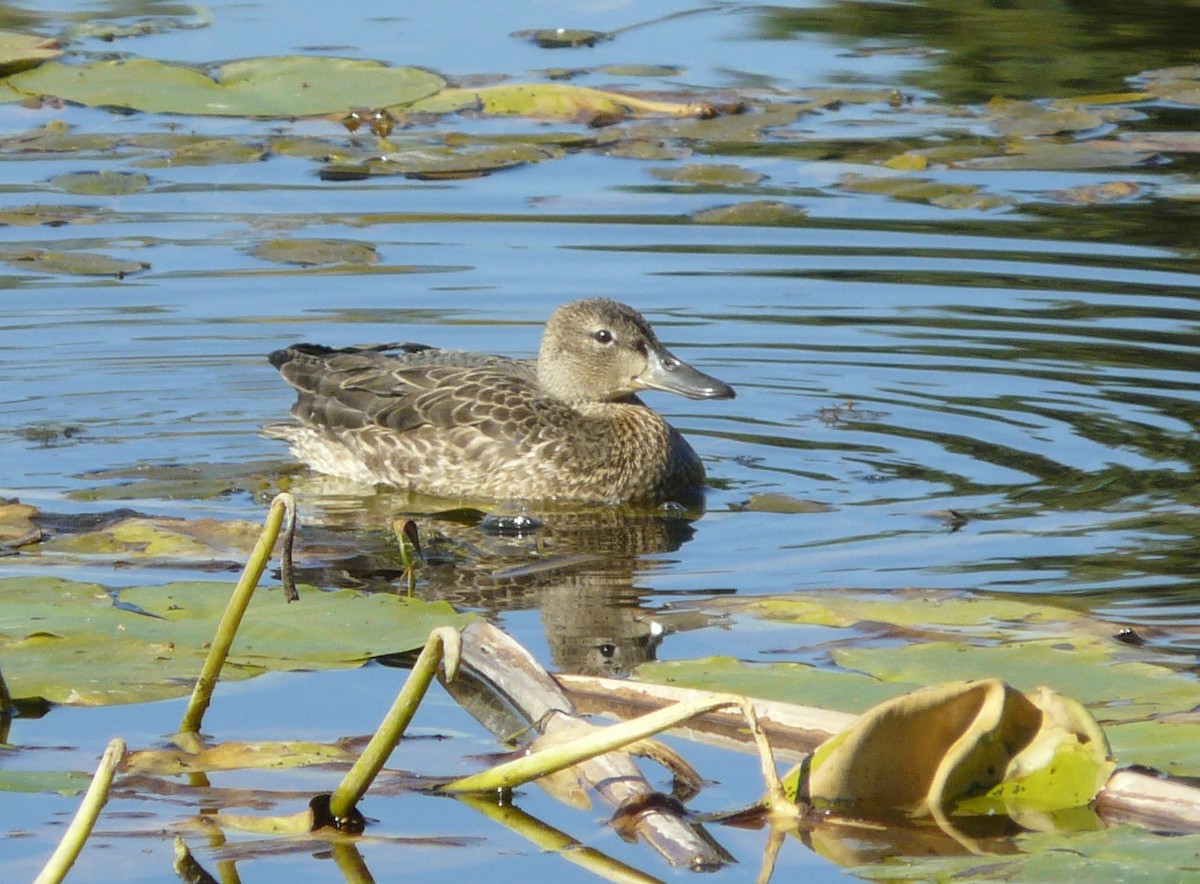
x=569, y=425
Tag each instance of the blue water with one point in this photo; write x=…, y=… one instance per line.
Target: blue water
x=1034, y=368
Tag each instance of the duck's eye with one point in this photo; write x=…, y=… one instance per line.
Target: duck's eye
x=603, y=336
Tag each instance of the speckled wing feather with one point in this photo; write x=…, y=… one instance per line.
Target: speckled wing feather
x=355, y=388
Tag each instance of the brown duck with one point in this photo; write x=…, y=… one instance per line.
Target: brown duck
x=567, y=425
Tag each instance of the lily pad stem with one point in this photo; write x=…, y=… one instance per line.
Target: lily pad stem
x=77, y=833
x=444, y=646
x=283, y=505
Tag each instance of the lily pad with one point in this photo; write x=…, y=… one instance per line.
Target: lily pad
x=1027, y=119
x=713, y=175
x=754, y=213
x=76, y=263
x=789, y=682
x=280, y=86
x=780, y=503
x=51, y=216
x=70, y=643
x=311, y=252
x=207, y=152
x=1083, y=667
x=555, y=101
x=442, y=163
x=19, y=52
x=105, y=183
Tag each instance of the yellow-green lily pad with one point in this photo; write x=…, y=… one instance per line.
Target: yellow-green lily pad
x=311, y=252
x=107, y=183
x=1083, y=667
x=70, y=642
x=51, y=216
x=20, y=52
x=76, y=263
x=279, y=86
x=788, y=682
x=753, y=213
x=710, y=174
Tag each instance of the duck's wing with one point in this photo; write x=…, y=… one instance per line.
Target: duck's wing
x=400, y=387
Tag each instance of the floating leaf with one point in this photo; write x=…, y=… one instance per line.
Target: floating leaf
x=280, y=86
x=208, y=152
x=1026, y=118
x=780, y=503
x=16, y=524
x=62, y=782
x=554, y=100
x=105, y=183
x=162, y=539
x=1093, y=194
x=234, y=755
x=20, y=52
x=758, y=213
x=51, y=216
x=916, y=189
x=76, y=263
x=69, y=643
x=789, y=682
x=1031, y=155
x=563, y=38
x=1083, y=667
x=444, y=162
x=641, y=70
x=310, y=252
x=711, y=174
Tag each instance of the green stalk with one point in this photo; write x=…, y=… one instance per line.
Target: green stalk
x=617, y=736
x=442, y=642
x=283, y=504
x=77, y=833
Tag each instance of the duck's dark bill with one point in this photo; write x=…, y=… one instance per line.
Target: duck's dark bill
x=672, y=375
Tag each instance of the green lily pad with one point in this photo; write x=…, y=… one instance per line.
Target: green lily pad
x=207, y=152
x=443, y=163
x=63, y=782
x=780, y=503
x=310, y=252
x=903, y=187
x=788, y=682
x=754, y=213
x=1028, y=119
x=76, y=263
x=1084, y=668
x=106, y=183
x=1168, y=745
x=20, y=52
x=716, y=174
x=979, y=615
x=280, y=86
x=161, y=539
x=1121, y=853
x=69, y=643
x=51, y=216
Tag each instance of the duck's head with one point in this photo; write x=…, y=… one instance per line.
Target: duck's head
x=599, y=350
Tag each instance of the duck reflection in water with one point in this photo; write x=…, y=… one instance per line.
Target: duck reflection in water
x=610, y=481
